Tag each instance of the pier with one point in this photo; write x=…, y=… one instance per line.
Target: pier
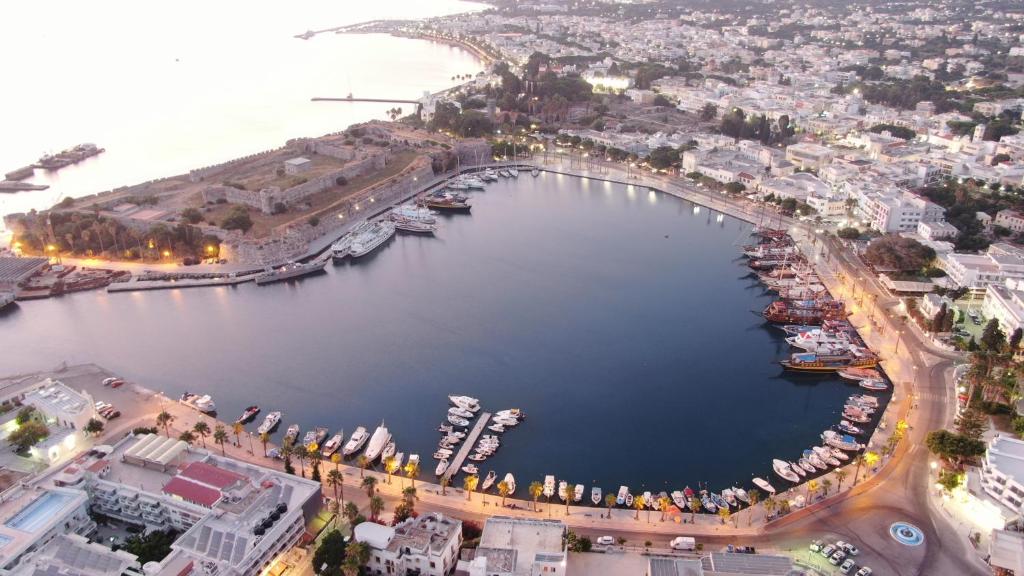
x=351, y=99
x=455, y=465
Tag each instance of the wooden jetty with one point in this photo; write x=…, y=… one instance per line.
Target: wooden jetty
x=455, y=465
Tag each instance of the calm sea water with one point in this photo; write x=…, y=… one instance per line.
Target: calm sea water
x=621, y=321
x=170, y=86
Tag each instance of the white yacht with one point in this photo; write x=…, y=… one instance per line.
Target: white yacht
x=563, y=490
x=620, y=499
x=340, y=249
x=510, y=483
x=783, y=469
x=332, y=445
x=372, y=238
x=355, y=441
x=549, y=486
x=288, y=271
x=202, y=403
x=378, y=441
x=513, y=172
x=269, y=421
x=535, y=172
x=441, y=467
x=764, y=485
x=578, y=493
x=465, y=402
x=474, y=183
x=414, y=212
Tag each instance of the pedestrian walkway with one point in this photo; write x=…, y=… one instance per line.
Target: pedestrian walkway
x=467, y=445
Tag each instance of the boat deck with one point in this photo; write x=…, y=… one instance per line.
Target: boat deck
x=455, y=465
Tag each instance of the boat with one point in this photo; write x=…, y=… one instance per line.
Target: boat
x=6, y=299
x=489, y=480
x=764, y=485
x=812, y=362
x=496, y=428
x=445, y=202
x=445, y=428
x=816, y=461
x=797, y=468
x=512, y=413
x=291, y=434
x=629, y=499
x=549, y=486
x=413, y=212
x=783, y=470
x=477, y=457
x=470, y=469
x=68, y=157
x=620, y=498
x=718, y=500
x=865, y=400
x=848, y=428
x=806, y=465
x=595, y=496
x=707, y=502
x=355, y=441
x=248, y=414
x=414, y=460
x=647, y=498
x=741, y=495
x=457, y=421
x=510, y=483
x=465, y=402
x=504, y=172
x=578, y=493
x=414, y=226
x=788, y=312
x=513, y=172
x=873, y=385
x=855, y=415
x=441, y=467
x=563, y=490
x=488, y=175
x=315, y=437
x=372, y=238
x=841, y=441
x=535, y=172
x=378, y=441
x=202, y=403
x=827, y=457
x=332, y=445
x=839, y=454
x=340, y=249
x=289, y=271
x=389, y=451
x=460, y=412
x=729, y=496
x=860, y=374
x=442, y=453
x=680, y=500
x=269, y=422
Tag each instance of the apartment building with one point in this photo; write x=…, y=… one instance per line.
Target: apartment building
x=1002, y=472
x=1001, y=262
x=427, y=545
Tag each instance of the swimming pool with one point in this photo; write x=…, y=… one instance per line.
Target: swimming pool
x=39, y=512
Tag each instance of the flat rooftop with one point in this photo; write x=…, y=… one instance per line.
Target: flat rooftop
x=17, y=269
x=55, y=396
x=754, y=564
x=505, y=540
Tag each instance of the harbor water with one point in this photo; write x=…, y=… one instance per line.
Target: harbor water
x=620, y=320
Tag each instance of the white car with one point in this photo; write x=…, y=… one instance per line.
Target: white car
x=605, y=540
x=850, y=549
x=847, y=566
x=827, y=551
x=816, y=546
x=107, y=381
x=837, y=557
x=865, y=571
x=101, y=406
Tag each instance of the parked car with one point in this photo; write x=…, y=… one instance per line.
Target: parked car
x=847, y=566
x=605, y=540
x=108, y=381
x=827, y=551
x=101, y=406
x=850, y=549
x=683, y=543
x=816, y=546
x=117, y=383
x=113, y=415
x=837, y=557
x=864, y=571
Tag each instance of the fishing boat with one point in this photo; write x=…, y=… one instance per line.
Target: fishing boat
x=783, y=470
x=620, y=498
x=489, y=480
x=378, y=441
x=291, y=434
x=873, y=385
x=864, y=400
x=788, y=312
x=441, y=467
x=445, y=202
x=741, y=495
x=764, y=485
x=860, y=374
x=549, y=486
x=595, y=496
x=269, y=422
x=841, y=441
x=248, y=414
x=470, y=469
x=563, y=490
x=372, y=238
x=848, y=428
x=332, y=445
x=855, y=415
x=355, y=441
x=679, y=500
x=202, y=403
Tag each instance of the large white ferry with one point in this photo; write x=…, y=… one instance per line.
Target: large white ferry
x=372, y=238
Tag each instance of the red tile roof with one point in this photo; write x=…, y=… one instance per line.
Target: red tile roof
x=98, y=466
x=192, y=492
x=211, y=475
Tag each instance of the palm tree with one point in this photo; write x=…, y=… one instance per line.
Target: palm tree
x=237, y=429
x=535, y=490
x=825, y=485
x=376, y=505
x=469, y=484
x=609, y=501
x=663, y=504
x=313, y=455
x=812, y=488
x=336, y=458
x=409, y=496
x=503, y=491
x=754, y=497
x=568, y=495
x=390, y=465
x=695, y=505
x=444, y=485
x=301, y=455
x=164, y=420
x=264, y=438
x=412, y=470
x=220, y=436
x=334, y=479
x=287, y=451
x=871, y=458
x=370, y=484
x=357, y=554
x=769, y=507
x=724, y=513
x=351, y=512
x=858, y=460
x=639, y=504
x=187, y=437
x=840, y=475
x=363, y=462
x=202, y=429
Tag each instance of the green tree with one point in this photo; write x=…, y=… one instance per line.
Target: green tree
x=237, y=219
x=329, y=554
x=735, y=187
x=848, y=233
x=334, y=480
x=187, y=437
x=952, y=446
x=24, y=415
x=363, y=463
x=151, y=547
x=351, y=512
x=609, y=502
x=370, y=485
x=992, y=337
x=164, y=420
x=202, y=429
x=469, y=484
x=27, y=435
x=220, y=436
x=708, y=112
x=1015, y=338
x=376, y=507
x=94, y=427
x=535, y=490
x=192, y=215
x=950, y=480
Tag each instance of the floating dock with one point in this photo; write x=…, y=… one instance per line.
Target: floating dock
x=133, y=285
x=455, y=466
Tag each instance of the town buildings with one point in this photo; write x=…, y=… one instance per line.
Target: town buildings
x=427, y=545
x=519, y=547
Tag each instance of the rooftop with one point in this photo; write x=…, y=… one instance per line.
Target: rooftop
x=505, y=540
x=17, y=269
x=55, y=397
x=754, y=564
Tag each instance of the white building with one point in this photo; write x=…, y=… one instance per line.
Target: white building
x=936, y=230
x=427, y=545
x=35, y=517
x=1005, y=303
x=519, y=547
x=1002, y=472
x=809, y=156
x=1000, y=263
x=298, y=165
x=61, y=405
x=1010, y=219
